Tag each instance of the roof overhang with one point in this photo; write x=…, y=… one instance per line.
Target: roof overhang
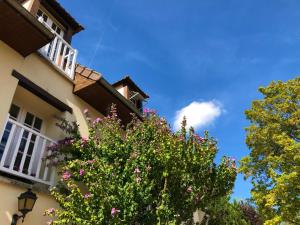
x=21, y=30
x=58, y=11
x=41, y=93
x=96, y=91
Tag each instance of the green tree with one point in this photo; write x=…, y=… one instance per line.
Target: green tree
x=144, y=174
x=274, y=162
x=222, y=212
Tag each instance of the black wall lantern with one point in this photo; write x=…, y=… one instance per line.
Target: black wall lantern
x=26, y=203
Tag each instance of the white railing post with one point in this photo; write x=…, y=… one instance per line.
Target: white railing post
x=15, y=152
x=10, y=138
x=38, y=170
x=58, y=55
x=73, y=64
x=25, y=151
x=53, y=48
x=36, y=143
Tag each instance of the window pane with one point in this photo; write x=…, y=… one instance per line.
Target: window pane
x=58, y=30
x=39, y=13
x=37, y=124
x=45, y=17
x=14, y=111
x=29, y=119
x=54, y=26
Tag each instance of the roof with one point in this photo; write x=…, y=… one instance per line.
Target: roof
x=64, y=14
x=60, y=12
x=95, y=90
x=128, y=81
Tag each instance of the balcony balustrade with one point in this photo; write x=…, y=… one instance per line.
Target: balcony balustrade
x=23, y=152
x=60, y=54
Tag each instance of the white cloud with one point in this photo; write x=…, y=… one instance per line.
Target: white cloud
x=198, y=114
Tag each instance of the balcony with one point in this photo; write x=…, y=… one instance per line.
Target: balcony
x=61, y=55
x=23, y=151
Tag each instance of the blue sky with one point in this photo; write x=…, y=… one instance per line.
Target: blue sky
x=212, y=53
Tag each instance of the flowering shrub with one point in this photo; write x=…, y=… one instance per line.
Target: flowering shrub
x=144, y=174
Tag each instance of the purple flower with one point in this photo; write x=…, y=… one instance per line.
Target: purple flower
x=66, y=175
x=87, y=195
x=81, y=172
x=232, y=159
x=114, y=211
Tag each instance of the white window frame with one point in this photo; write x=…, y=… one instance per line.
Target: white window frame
x=50, y=21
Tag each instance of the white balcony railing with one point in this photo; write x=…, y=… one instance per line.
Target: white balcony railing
x=23, y=152
x=60, y=53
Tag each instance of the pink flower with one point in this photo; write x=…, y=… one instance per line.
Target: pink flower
x=87, y=195
x=189, y=189
x=200, y=139
x=97, y=120
x=66, y=175
x=137, y=170
x=50, y=211
x=84, y=141
x=233, y=165
x=85, y=111
x=81, y=172
x=90, y=161
x=114, y=211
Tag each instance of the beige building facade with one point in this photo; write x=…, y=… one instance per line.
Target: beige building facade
x=41, y=80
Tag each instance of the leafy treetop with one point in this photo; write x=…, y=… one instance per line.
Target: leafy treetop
x=144, y=174
x=274, y=162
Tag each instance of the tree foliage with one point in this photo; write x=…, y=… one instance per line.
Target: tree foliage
x=274, y=162
x=144, y=174
x=224, y=212
x=250, y=213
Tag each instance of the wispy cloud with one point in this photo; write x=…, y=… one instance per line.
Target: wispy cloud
x=198, y=114
x=139, y=57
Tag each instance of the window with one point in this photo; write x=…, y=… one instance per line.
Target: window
x=14, y=112
x=34, y=123
x=51, y=24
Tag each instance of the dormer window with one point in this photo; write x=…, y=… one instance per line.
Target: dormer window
x=43, y=17
x=131, y=92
